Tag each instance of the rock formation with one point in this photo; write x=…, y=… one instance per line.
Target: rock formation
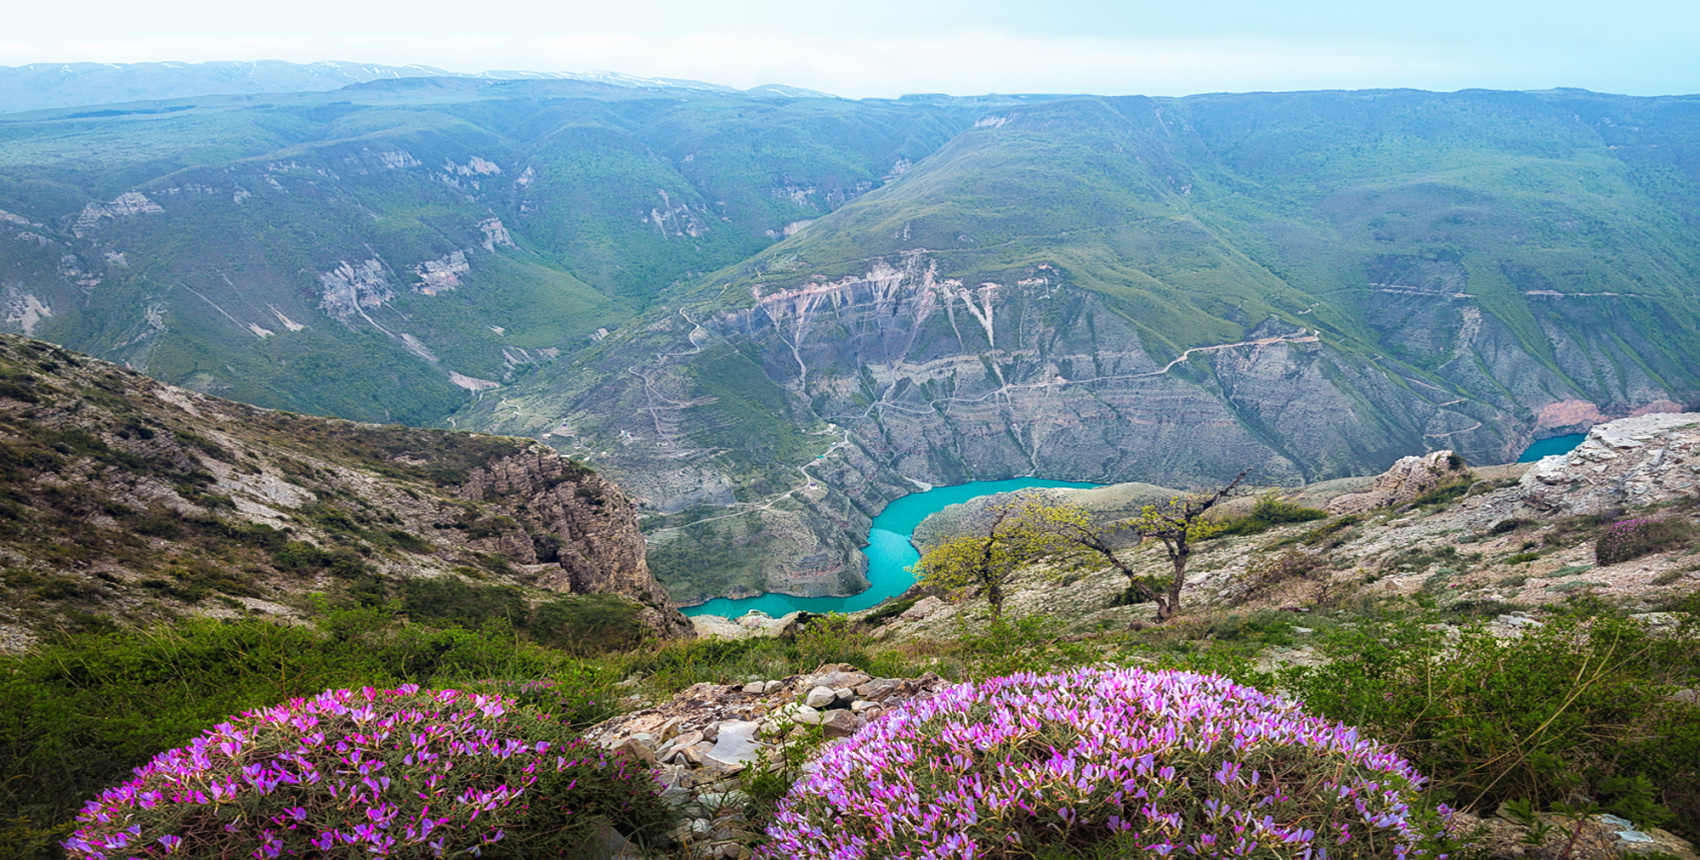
x=1409, y=478
x=1627, y=462
x=589, y=529
x=129, y=500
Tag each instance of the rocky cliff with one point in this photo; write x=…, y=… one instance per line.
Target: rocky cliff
x=126, y=501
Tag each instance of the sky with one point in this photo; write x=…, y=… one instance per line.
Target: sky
x=886, y=48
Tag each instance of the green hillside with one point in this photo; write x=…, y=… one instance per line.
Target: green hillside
x=483, y=226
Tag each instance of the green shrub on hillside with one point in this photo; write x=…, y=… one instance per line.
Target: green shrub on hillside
x=1572, y=706
x=1270, y=511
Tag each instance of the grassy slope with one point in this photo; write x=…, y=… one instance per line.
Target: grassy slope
x=581, y=172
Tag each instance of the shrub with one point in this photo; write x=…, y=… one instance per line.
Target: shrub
x=1560, y=710
x=1136, y=763
x=1270, y=511
x=360, y=773
x=589, y=623
x=1634, y=538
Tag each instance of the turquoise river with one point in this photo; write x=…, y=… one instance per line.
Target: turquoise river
x=889, y=552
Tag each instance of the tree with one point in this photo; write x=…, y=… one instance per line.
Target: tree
x=1179, y=525
x=976, y=559
x=1046, y=528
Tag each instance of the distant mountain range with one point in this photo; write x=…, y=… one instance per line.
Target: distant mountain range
x=765, y=313
x=46, y=86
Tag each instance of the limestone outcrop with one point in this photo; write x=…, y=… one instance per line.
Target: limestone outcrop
x=1409, y=478
x=1628, y=462
x=579, y=521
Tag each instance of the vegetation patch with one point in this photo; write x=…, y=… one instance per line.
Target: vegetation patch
x=1101, y=763
x=436, y=772
x=1633, y=538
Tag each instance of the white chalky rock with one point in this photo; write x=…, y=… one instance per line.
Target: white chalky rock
x=736, y=744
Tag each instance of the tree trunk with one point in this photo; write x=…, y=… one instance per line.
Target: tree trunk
x=1170, y=604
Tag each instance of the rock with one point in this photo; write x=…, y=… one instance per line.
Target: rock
x=636, y=746
x=799, y=714
x=736, y=744
x=1409, y=478
x=923, y=608
x=590, y=522
x=820, y=697
x=878, y=688
x=841, y=677
x=1653, y=840
x=1517, y=620
x=1631, y=461
x=839, y=724
x=864, y=707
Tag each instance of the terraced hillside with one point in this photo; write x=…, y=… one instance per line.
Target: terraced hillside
x=1166, y=291
x=767, y=313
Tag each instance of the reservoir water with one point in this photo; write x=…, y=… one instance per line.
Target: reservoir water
x=1549, y=447
x=889, y=552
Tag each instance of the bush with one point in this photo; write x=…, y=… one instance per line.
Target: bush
x=1270, y=511
x=1098, y=762
x=589, y=623
x=399, y=773
x=1562, y=709
x=1638, y=537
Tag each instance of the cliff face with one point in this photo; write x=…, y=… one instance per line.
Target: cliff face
x=812, y=406
x=129, y=501
x=1645, y=460
x=578, y=521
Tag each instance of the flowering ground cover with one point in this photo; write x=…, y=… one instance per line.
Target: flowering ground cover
x=1152, y=763
x=371, y=773
x=1640, y=536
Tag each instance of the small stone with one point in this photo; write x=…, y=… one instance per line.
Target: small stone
x=820, y=697
x=636, y=747
x=772, y=687
x=1518, y=621
x=755, y=688
x=841, y=678
x=861, y=706
x=799, y=714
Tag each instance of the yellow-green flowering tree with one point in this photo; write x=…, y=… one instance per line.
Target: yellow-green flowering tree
x=984, y=559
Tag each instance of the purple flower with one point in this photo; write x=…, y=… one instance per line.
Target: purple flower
x=1177, y=759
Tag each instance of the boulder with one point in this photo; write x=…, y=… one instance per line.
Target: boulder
x=1409, y=478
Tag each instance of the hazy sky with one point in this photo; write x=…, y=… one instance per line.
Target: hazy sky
x=891, y=47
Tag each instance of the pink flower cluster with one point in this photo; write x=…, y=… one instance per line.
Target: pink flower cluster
x=1165, y=762
x=347, y=773
x=1633, y=538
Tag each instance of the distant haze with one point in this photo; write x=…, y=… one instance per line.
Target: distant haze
x=885, y=48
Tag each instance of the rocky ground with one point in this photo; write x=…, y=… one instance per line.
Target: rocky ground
x=711, y=743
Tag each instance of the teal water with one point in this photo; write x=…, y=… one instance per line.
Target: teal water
x=889, y=552
x=1549, y=447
